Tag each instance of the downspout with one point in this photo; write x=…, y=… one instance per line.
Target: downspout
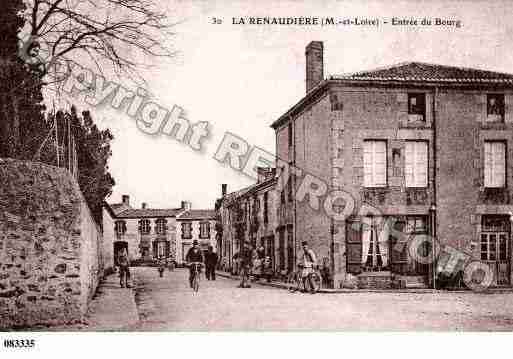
x=434, y=204
x=293, y=184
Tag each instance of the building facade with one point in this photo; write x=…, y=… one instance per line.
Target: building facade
x=195, y=224
x=426, y=146
x=250, y=214
x=149, y=233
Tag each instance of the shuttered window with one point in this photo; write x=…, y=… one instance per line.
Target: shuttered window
x=416, y=163
x=494, y=164
x=375, y=163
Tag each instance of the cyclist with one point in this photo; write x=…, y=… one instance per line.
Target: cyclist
x=194, y=255
x=308, y=261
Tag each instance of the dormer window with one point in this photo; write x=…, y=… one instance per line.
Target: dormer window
x=416, y=107
x=495, y=107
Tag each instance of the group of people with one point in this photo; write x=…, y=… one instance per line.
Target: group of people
x=250, y=262
x=254, y=262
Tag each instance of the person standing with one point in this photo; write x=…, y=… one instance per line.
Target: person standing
x=246, y=259
x=124, y=269
x=211, y=263
x=309, y=261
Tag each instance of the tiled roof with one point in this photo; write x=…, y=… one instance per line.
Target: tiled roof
x=149, y=212
x=198, y=214
x=418, y=71
x=407, y=72
x=233, y=195
x=117, y=208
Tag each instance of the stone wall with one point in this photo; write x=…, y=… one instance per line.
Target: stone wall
x=50, y=247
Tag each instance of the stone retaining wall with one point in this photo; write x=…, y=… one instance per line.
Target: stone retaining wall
x=50, y=247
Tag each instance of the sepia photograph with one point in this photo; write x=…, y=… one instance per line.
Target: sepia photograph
x=176, y=168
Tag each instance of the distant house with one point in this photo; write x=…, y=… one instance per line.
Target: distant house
x=195, y=224
x=151, y=233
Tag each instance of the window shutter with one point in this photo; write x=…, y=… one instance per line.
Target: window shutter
x=488, y=164
x=508, y=108
x=420, y=164
x=380, y=163
x=495, y=164
x=155, y=250
x=481, y=108
x=168, y=249
x=354, y=247
x=367, y=164
x=375, y=163
x=399, y=251
x=409, y=164
x=416, y=164
x=429, y=108
x=499, y=165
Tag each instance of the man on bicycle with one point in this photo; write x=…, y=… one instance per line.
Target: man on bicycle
x=194, y=255
x=308, y=261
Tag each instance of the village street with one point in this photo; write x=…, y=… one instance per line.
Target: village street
x=169, y=304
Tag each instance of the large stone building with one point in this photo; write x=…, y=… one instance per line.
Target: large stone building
x=149, y=233
x=427, y=145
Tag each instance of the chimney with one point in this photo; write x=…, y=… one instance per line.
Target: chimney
x=224, y=189
x=186, y=205
x=125, y=199
x=314, y=64
x=144, y=205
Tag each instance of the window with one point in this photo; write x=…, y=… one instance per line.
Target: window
x=375, y=164
x=120, y=227
x=187, y=230
x=416, y=106
x=494, y=164
x=495, y=107
x=290, y=134
x=416, y=224
x=204, y=230
x=416, y=163
x=161, y=226
x=494, y=238
x=144, y=226
x=266, y=215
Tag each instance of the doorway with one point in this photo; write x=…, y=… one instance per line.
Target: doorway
x=495, y=247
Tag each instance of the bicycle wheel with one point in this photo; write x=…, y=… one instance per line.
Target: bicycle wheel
x=315, y=279
x=195, y=283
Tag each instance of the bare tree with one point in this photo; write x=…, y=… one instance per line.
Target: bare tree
x=118, y=34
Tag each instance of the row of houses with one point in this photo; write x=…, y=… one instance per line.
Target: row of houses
x=429, y=146
x=150, y=233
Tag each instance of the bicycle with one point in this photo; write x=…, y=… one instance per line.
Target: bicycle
x=295, y=280
x=196, y=266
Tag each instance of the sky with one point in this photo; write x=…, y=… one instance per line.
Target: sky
x=241, y=78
